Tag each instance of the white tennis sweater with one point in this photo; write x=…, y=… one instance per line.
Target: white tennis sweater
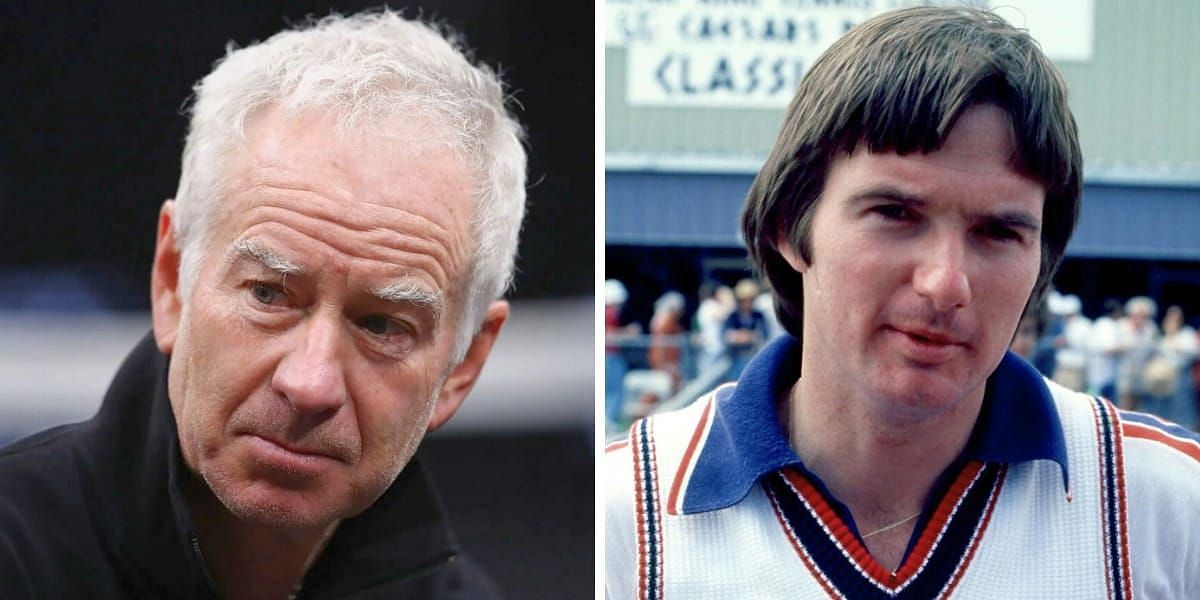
x=1129, y=527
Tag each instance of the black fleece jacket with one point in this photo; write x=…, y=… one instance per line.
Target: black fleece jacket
x=95, y=510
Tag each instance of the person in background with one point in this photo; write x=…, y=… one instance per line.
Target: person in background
x=745, y=329
x=1104, y=351
x=1070, y=368
x=666, y=337
x=615, y=366
x=1177, y=350
x=715, y=305
x=1137, y=341
x=1045, y=355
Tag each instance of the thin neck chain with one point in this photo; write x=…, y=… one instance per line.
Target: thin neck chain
x=790, y=407
x=890, y=527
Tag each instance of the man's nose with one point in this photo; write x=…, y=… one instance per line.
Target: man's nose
x=941, y=274
x=310, y=376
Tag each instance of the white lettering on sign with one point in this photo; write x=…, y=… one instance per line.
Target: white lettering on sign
x=752, y=53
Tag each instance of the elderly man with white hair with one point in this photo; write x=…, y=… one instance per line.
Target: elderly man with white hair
x=325, y=290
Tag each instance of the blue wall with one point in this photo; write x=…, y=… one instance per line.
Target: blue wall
x=699, y=209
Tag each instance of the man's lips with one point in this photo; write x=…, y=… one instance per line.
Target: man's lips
x=927, y=346
x=929, y=336
x=290, y=452
x=296, y=449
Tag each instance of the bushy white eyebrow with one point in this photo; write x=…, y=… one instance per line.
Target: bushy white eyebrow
x=400, y=291
x=267, y=257
x=408, y=291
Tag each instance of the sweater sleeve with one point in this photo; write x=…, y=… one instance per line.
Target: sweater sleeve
x=1162, y=463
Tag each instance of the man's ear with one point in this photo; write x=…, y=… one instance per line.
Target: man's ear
x=166, y=305
x=463, y=376
x=788, y=251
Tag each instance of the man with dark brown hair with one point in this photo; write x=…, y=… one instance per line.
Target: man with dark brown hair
x=920, y=195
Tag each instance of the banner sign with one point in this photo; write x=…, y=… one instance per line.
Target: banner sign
x=752, y=53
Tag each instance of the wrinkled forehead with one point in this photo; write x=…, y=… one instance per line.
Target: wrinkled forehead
x=401, y=179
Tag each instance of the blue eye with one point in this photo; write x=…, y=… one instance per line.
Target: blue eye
x=266, y=293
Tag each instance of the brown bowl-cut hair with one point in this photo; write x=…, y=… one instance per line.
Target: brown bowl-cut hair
x=898, y=83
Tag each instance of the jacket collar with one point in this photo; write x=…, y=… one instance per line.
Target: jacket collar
x=405, y=531
x=1018, y=422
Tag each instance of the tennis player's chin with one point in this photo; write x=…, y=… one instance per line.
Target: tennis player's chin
x=918, y=390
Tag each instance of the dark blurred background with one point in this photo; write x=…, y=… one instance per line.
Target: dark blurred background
x=90, y=140
x=92, y=130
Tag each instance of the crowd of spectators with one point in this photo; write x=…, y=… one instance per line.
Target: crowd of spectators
x=642, y=371
x=1124, y=354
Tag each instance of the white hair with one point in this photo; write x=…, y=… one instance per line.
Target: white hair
x=614, y=292
x=369, y=71
x=1143, y=305
x=670, y=301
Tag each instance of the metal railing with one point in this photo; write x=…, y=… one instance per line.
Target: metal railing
x=646, y=390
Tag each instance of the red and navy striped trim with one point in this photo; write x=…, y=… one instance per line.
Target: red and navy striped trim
x=1150, y=427
x=687, y=463
x=844, y=567
x=649, y=519
x=1112, y=498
